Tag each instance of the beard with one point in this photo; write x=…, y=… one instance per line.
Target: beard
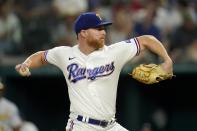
x=96, y=43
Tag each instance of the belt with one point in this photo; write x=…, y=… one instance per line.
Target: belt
x=102, y=123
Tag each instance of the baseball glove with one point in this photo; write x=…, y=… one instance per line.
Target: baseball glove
x=150, y=73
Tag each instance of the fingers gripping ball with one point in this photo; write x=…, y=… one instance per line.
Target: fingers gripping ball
x=150, y=73
x=24, y=71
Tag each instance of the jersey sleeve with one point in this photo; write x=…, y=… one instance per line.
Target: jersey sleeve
x=128, y=49
x=54, y=56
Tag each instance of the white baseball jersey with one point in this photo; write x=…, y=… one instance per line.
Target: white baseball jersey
x=9, y=115
x=92, y=79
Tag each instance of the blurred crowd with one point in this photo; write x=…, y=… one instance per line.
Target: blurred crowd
x=10, y=115
x=158, y=121
x=27, y=26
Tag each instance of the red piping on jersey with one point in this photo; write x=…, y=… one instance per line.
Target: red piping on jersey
x=71, y=125
x=45, y=55
x=138, y=45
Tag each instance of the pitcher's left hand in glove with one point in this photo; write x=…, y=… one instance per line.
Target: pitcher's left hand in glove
x=150, y=73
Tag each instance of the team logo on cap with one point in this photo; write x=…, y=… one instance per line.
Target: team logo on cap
x=98, y=16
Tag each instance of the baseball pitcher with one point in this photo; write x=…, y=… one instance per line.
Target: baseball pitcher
x=92, y=70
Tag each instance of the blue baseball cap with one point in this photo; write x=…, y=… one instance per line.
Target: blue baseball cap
x=89, y=20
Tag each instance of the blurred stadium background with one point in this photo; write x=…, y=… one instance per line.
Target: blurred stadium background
x=27, y=26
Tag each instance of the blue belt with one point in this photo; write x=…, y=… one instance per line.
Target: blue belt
x=102, y=123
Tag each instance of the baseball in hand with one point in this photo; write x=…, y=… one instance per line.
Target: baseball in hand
x=24, y=72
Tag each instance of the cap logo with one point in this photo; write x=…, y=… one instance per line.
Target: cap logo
x=98, y=16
